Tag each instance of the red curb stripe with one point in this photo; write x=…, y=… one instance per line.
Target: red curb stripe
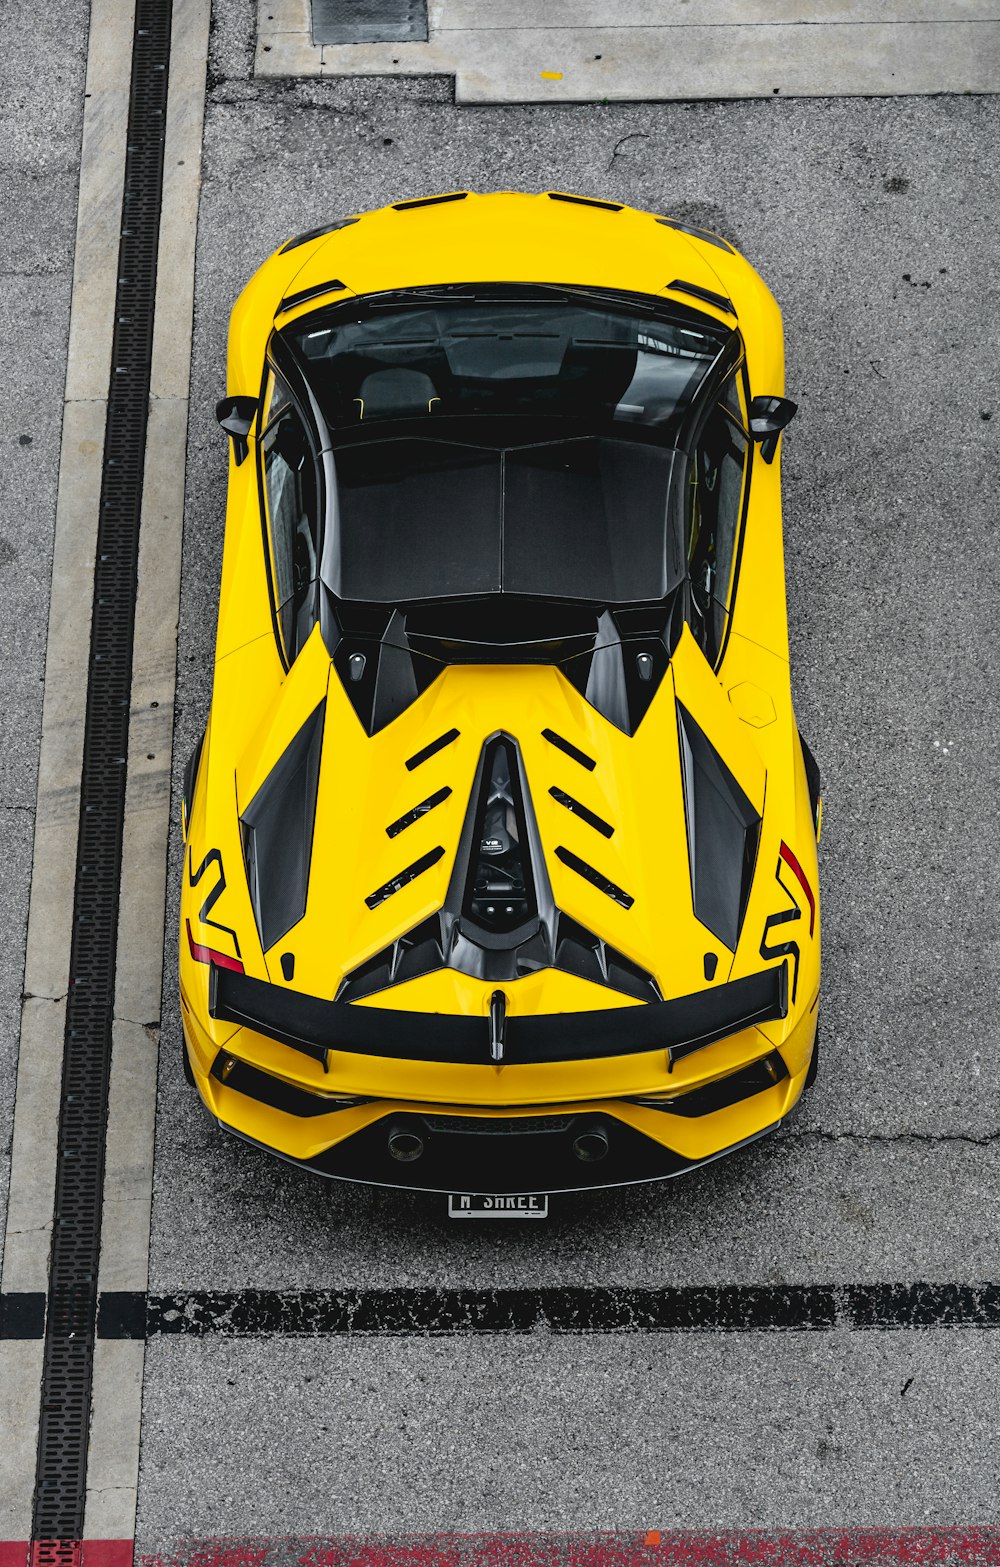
x=108, y=1553
x=66, y=1553
x=914, y=1547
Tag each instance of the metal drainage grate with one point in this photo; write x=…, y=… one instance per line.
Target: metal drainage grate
x=60, y=1485
x=369, y=21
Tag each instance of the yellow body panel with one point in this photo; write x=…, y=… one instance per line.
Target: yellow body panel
x=744, y=707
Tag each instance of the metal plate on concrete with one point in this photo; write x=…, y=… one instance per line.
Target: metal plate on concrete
x=369, y=21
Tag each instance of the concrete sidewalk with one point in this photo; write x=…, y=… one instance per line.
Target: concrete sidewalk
x=573, y=51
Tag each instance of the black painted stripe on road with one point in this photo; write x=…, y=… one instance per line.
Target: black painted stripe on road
x=22, y=1315
x=70, y=1317
x=399, y=1313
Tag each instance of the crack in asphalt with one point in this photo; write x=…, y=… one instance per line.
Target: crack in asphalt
x=983, y=1141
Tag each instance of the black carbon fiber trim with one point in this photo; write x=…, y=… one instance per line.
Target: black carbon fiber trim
x=67, y=1372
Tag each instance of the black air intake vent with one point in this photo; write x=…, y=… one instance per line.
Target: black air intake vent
x=429, y=201
x=311, y=234
x=316, y=291
x=409, y=817
x=418, y=759
x=595, y=877
x=277, y=829
x=710, y=297
x=569, y=749
x=584, y=812
x=723, y=832
x=703, y=234
x=404, y=877
x=500, y=892
x=584, y=201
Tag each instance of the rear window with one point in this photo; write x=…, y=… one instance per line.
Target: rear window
x=585, y=519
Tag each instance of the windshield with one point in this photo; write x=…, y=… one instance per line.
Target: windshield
x=550, y=353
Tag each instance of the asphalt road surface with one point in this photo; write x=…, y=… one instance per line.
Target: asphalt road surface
x=874, y=224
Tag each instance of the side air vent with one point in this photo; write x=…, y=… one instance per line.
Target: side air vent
x=725, y=1091
x=429, y=201
x=705, y=234
x=277, y=830
x=584, y=201
x=678, y=286
x=595, y=877
x=723, y=832
x=276, y=1091
x=404, y=878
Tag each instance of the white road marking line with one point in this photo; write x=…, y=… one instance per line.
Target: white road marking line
x=20, y=1377
x=113, y=1458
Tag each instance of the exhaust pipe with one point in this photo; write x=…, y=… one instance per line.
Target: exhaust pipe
x=591, y=1143
x=405, y=1144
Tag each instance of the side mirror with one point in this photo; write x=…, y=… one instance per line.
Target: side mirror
x=236, y=415
x=768, y=417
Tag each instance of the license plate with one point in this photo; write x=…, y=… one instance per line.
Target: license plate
x=524, y=1205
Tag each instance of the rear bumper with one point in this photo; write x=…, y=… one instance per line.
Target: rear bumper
x=337, y=1124
x=482, y=1161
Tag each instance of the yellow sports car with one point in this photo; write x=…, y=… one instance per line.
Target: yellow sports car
x=500, y=846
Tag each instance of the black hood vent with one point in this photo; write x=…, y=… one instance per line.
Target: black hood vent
x=499, y=921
